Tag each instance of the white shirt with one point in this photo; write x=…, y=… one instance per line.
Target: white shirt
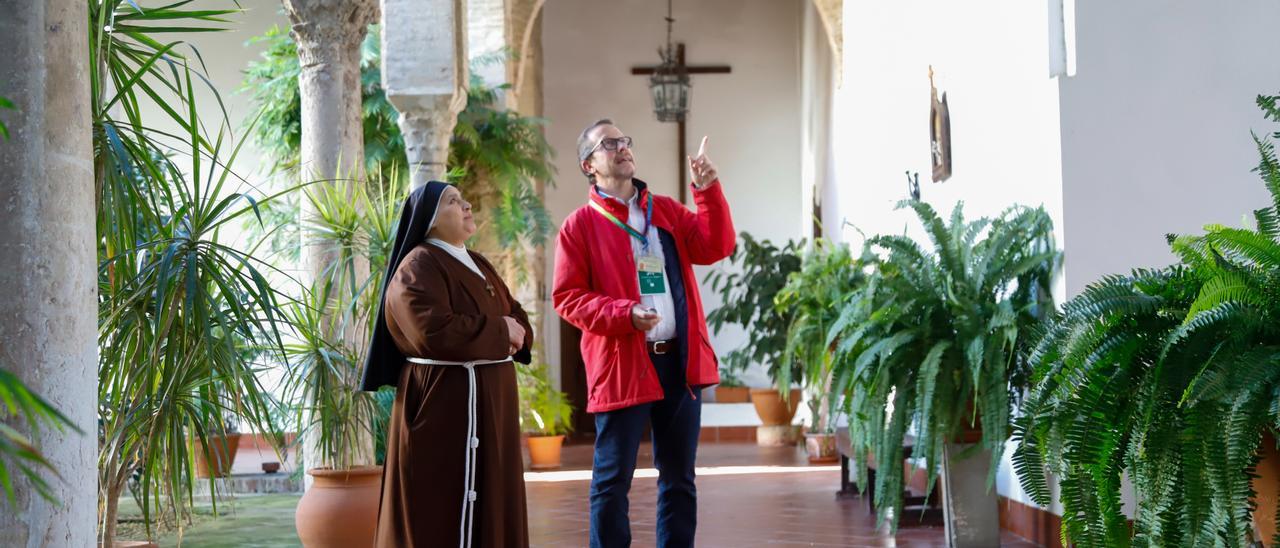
x=459, y=253
x=663, y=303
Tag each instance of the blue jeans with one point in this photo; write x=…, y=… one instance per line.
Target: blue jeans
x=676, y=421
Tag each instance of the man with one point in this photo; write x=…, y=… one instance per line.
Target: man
x=624, y=276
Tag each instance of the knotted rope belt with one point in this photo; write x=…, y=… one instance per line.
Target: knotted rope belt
x=473, y=443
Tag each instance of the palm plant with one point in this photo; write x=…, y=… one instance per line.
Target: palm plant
x=495, y=156
x=812, y=297
x=938, y=337
x=747, y=300
x=178, y=306
x=1171, y=375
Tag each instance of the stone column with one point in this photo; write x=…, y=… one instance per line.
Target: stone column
x=329, y=34
x=48, y=278
x=424, y=72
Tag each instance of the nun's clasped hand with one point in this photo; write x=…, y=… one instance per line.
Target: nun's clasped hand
x=515, y=335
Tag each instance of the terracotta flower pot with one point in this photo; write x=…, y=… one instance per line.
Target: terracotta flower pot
x=771, y=409
x=1266, y=485
x=733, y=394
x=270, y=467
x=544, y=452
x=223, y=457
x=821, y=448
x=340, y=509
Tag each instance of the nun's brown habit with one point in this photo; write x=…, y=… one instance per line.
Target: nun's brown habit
x=435, y=308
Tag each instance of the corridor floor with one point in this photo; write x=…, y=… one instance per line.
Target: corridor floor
x=747, y=496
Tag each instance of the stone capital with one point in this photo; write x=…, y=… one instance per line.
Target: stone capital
x=427, y=125
x=321, y=28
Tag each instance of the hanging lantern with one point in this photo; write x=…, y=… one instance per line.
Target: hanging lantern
x=669, y=83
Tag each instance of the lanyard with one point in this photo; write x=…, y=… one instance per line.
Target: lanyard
x=648, y=218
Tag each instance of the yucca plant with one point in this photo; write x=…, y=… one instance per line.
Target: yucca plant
x=933, y=344
x=325, y=374
x=332, y=323
x=1170, y=375
x=178, y=305
x=812, y=298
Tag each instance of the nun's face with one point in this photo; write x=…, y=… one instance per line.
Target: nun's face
x=454, y=223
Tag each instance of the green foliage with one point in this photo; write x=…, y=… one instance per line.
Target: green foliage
x=495, y=155
x=1170, y=375
x=383, y=399
x=17, y=451
x=178, y=307
x=272, y=84
x=5, y=104
x=747, y=299
x=355, y=228
x=544, y=411
x=939, y=336
x=828, y=276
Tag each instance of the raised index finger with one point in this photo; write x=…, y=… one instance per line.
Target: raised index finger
x=702, y=149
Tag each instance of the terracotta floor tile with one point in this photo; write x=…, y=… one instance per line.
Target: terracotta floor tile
x=793, y=506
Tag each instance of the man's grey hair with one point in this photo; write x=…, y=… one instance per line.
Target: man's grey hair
x=585, y=144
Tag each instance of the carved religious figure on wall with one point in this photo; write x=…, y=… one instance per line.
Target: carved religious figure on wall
x=939, y=133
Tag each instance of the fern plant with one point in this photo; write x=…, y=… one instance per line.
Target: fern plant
x=827, y=277
x=935, y=341
x=1170, y=375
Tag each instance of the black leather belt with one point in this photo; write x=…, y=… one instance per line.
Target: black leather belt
x=661, y=347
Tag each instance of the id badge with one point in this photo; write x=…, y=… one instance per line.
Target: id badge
x=652, y=279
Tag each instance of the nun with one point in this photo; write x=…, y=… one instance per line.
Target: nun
x=447, y=333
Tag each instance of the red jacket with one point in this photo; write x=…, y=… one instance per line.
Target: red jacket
x=596, y=285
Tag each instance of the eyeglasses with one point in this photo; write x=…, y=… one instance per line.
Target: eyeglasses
x=611, y=144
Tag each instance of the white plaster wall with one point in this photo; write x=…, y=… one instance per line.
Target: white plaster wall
x=992, y=61
x=752, y=115
x=818, y=78
x=1155, y=126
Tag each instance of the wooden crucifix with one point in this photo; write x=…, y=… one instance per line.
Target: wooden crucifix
x=682, y=146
